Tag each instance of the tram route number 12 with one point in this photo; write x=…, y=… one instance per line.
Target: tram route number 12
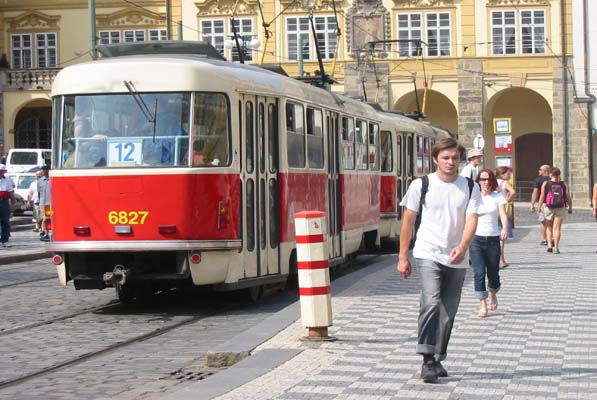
x=124, y=152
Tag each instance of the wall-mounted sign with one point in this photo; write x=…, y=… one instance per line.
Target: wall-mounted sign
x=479, y=142
x=503, y=143
x=502, y=125
x=503, y=162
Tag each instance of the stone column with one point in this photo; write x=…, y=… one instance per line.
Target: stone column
x=353, y=82
x=470, y=101
x=576, y=173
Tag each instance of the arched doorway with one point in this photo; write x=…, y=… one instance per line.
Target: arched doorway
x=438, y=108
x=536, y=149
x=33, y=128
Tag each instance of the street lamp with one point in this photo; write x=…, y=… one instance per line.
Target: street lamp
x=241, y=44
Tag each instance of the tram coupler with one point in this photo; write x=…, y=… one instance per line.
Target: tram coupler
x=117, y=277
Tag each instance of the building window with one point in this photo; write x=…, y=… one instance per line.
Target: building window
x=109, y=37
x=212, y=31
x=45, y=46
x=137, y=35
x=299, y=28
x=158, y=34
x=439, y=34
x=409, y=32
x=532, y=25
x=21, y=51
x=244, y=30
x=503, y=29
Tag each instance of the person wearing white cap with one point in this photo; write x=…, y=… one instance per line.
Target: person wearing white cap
x=7, y=205
x=474, y=158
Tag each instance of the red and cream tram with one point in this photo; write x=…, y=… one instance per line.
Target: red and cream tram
x=170, y=169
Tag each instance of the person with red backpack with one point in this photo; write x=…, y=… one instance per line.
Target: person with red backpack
x=555, y=197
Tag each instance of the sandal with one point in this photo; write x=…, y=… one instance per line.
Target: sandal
x=482, y=312
x=506, y=265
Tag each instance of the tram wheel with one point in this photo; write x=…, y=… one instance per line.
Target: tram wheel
x=126, y=293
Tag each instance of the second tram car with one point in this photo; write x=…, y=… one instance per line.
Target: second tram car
x=174, y=169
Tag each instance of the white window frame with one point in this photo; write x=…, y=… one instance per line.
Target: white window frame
x=536, y=35
x=327, y=44
x=25, y=53
x=501, y=42
x=46, y=51
x=245, y=31
x=442, y=49
x=157, y=34
x=409, y=32
x=213, y=36
x=110, y=37
x=138, y=35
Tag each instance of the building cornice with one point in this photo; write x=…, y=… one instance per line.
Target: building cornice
x=32, y=21
x=226, y=7
x=27, y=5
x=131, y=16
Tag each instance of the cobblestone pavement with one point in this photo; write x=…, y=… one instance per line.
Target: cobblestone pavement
x=539, y=344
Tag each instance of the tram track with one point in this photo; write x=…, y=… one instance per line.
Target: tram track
x=112, y=347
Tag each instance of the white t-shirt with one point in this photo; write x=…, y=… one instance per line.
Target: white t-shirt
x=487, y=224
x=469, y=171
x=443, y=220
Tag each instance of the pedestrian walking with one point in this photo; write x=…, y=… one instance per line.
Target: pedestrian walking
x=33, y=201
x=594, y=202
x=43, y=187
x=537, y=183
x=448, y=211
x=555, y=196
x=8, y=204
x=503, y=175
x=474, y=158
x=485, y=248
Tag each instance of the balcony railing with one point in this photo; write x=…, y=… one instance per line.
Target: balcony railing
x=29, y=79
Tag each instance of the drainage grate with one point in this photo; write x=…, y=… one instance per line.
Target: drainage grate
x=184, y=376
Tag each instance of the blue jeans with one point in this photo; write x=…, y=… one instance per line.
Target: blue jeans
x=485, y=257
x=5, y=220
x=441, y=287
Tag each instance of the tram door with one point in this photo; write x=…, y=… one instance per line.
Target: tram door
x=260, y=186
x=334, y=205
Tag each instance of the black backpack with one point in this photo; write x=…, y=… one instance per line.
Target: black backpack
x=424, y=189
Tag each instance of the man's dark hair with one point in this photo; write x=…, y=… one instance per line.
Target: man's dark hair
x=444, y=144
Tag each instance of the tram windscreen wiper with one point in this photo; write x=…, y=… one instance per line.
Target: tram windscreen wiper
x=151, y=118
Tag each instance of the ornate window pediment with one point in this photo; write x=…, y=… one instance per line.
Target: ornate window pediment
x=304, y=5
x=517, y=2
x=225, y=7
x=130, y=17
x=32, y=21
x=423, y=3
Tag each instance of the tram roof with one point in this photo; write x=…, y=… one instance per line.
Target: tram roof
x=188, y=72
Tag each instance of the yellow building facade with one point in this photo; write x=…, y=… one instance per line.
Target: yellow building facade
x=494, y=72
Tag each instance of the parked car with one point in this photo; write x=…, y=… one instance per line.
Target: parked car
x=21, y=160
x=21, y=182
x=21, y=205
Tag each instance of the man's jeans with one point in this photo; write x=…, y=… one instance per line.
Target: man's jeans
x=441, y=287
x=485, y=257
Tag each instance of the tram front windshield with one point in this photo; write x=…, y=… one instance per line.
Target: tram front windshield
x=144, y=130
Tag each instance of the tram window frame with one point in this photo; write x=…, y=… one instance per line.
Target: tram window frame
x=386, y=151
x=250, y=146
x=419, y=156
x=57, y=110
x=399, y=156
x=315, y=147
x=240, y=131
x=261, y=136
x=409, y=155
x=433, y=166
x=272, y=116
x=373, y=147
x=348, y=146
x=361, y=144
x=426, y=156
x=295, y=134
x=217, y=152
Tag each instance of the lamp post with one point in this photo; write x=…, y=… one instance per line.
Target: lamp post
x=241, y=44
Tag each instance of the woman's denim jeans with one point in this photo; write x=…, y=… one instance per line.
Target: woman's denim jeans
x=485, y=257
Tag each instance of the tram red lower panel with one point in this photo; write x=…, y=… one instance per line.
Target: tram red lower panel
x=199, y=206
x=388, y=196
x=360, y=200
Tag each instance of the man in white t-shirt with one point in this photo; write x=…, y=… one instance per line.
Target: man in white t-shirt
x=474, y=158
x=448, y=224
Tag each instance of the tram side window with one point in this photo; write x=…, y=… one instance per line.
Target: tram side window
x=315, y=138
x=409, y=155
x=272, y=115
x=386, y=151
x=426, y=156
x=295, y=139
x=420, y=156
x=211, y=133
x=374, y=146
x=361, y=144
x=250, y=148
x=399, y=158
x=348, y=142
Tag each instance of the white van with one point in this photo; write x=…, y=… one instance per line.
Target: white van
x=22, y=160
